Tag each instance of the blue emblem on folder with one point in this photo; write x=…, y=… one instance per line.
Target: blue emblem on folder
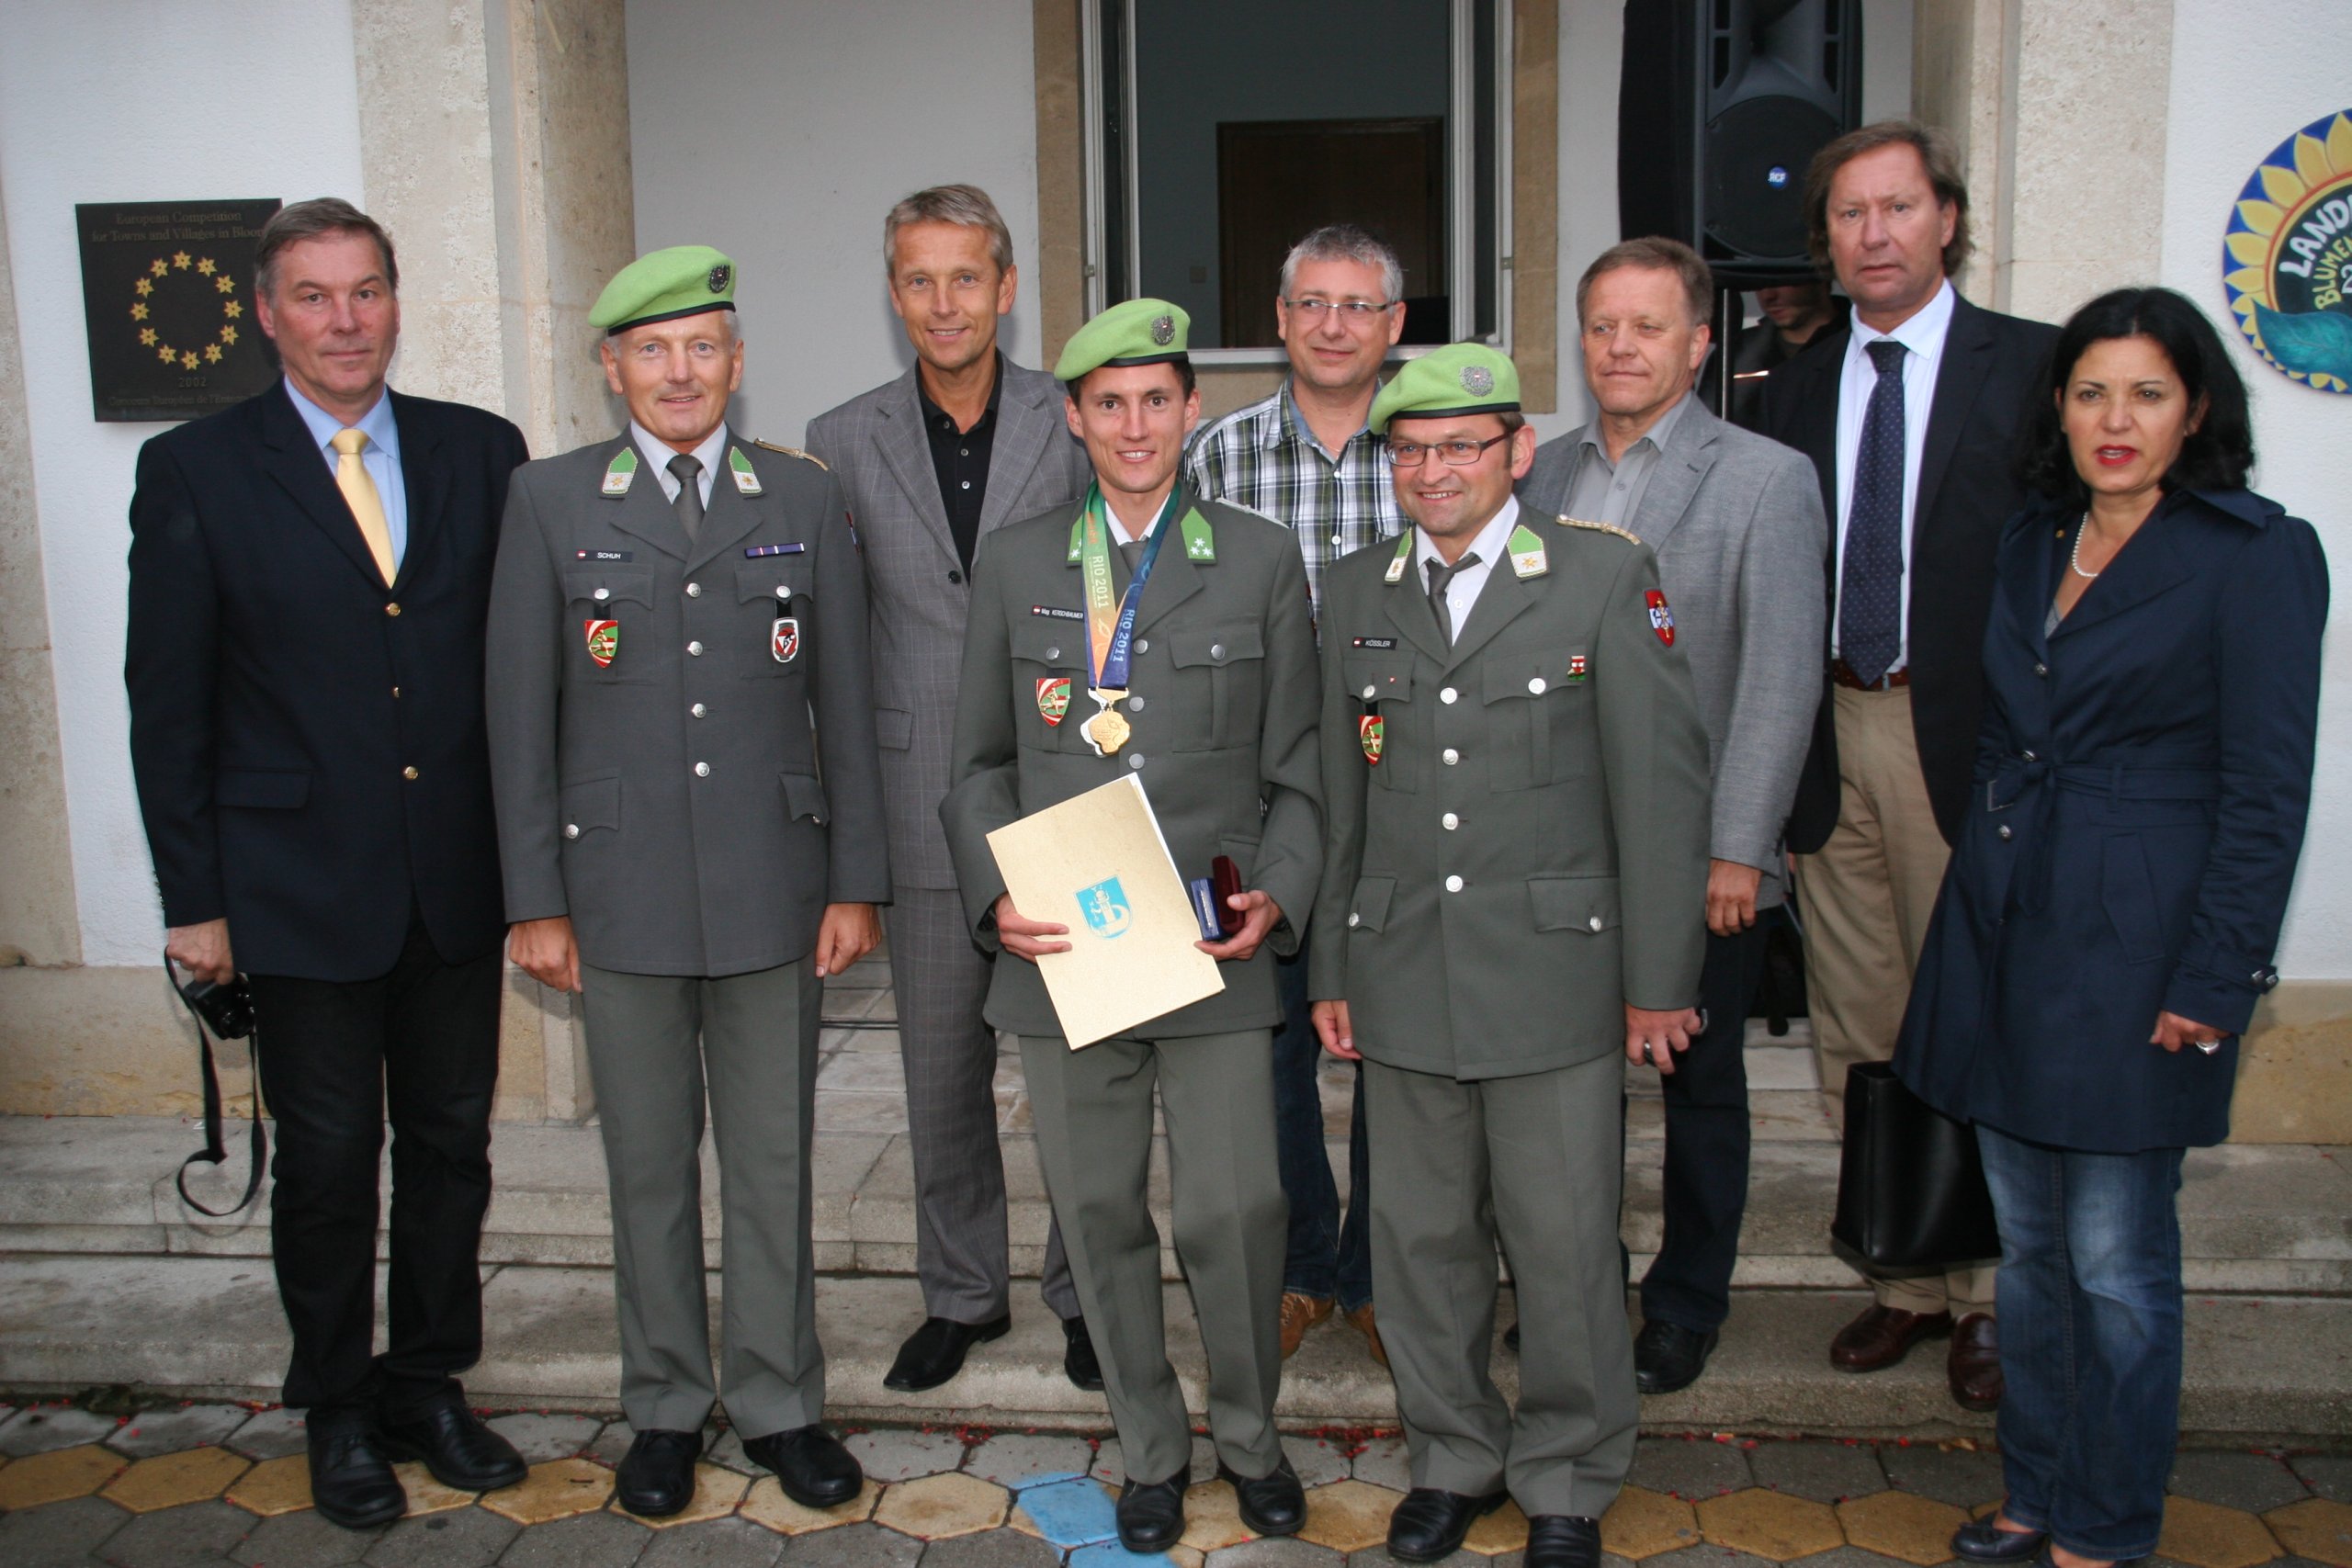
x=1106, y=907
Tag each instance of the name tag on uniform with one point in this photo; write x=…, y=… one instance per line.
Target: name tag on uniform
x=1057, y=615
x=604, y=555
x=1382, y=643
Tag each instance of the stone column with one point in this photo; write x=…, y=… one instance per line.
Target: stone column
x=2060, y=196
x=495, y=145
x=39, y=922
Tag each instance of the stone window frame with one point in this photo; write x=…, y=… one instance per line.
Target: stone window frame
x=1534, y=239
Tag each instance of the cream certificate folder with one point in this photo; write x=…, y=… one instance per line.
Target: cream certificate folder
x=1098, y=865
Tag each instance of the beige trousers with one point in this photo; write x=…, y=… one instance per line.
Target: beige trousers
x=1865, y=899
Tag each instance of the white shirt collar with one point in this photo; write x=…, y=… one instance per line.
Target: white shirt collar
x=1488, y=542
x=657, y=453
x=1922, y=334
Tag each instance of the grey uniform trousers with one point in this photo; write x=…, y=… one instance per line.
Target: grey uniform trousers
x=940, y=980
x=1539, y=1158
x=652, y=1041
x=1093, y=1110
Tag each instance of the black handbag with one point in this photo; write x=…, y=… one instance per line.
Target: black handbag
x=1911, y=1193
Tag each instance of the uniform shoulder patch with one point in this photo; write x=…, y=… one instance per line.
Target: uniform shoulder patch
x=792, y=452
x=1625, y=533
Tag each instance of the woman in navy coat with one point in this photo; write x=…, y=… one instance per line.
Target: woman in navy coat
x=2152, y=683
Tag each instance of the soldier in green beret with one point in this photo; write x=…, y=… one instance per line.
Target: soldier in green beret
x=677, y=634
x=1516, y=834
x=1146, y=633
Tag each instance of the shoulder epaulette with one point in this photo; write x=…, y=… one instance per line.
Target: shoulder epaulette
x=1625, y=533
x=792, y=452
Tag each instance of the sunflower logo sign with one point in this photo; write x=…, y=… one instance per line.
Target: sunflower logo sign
x=2287, y=258
x=166, y=288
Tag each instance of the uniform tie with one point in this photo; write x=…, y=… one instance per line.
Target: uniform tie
x=1869, y=593
x=359, y=494
x=1441, y=574
x=687, y=468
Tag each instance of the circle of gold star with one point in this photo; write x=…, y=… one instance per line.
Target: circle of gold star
x=224, y=287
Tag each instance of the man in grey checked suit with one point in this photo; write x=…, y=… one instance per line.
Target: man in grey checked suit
x=1516, y=778
x=671, y=607
x=1215, y=716
x=931, y=463
x=1737, y=526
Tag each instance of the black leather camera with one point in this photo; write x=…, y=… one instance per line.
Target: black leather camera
x=227, y=1010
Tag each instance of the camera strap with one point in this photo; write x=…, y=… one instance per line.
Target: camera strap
x=215, y=1152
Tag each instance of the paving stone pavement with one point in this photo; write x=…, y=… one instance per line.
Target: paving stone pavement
x=206, y=1484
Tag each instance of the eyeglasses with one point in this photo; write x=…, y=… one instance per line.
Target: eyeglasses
x=1459, y=454
x=1355, y=313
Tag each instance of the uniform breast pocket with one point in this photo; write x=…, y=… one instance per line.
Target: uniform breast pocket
x=1380, y=688
x=1220, y=699
x=608, y=620
x=1050, y=682
x=776, y=610
x=1534, y=714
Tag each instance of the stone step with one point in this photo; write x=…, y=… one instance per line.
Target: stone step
x=2264, y=1219
x=2258, y=1368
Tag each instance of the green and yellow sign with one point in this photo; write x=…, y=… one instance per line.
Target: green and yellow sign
x=2287, y=258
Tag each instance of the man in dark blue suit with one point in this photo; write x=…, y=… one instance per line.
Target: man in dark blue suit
x=309, y=573
x=1910, y=414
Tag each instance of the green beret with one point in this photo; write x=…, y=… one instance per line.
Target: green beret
x=1461, y=378
x=683, y=280
x=1138, y=332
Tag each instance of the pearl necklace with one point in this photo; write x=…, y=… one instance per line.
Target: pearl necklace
x=2074, y=558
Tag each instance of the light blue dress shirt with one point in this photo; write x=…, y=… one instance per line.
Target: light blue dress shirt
x=381, y=458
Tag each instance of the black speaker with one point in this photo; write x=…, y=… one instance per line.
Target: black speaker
x=1720, y=104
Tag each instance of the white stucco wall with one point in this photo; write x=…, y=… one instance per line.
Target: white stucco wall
x=782, y=133
x=2241, y=84
x=136, y=100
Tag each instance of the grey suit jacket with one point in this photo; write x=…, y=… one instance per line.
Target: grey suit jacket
x=1222, y=709
x=668, y=800
x=1737, y=526
x=917, y=596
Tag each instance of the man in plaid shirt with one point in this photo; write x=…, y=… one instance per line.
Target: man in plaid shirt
x=1308, y=458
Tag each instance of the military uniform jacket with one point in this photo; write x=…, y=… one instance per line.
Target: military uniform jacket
x=1222, y=708
x=1530, y=851
x=666, y=795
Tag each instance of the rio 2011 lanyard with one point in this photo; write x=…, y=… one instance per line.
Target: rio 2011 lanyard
x=1111, y=625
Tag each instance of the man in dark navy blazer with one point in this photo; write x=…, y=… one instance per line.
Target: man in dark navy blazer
x=309, y=573
x=1910, y=414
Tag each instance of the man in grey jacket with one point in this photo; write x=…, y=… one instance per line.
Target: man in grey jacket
x=1737, y=526
x=677, y=634
x=931, y=463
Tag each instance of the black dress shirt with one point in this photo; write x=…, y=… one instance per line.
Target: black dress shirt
x=960, y=459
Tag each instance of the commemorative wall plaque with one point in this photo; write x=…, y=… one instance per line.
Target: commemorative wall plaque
x=167, y=291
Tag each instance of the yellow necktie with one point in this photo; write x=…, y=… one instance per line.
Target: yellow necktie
x=359, y=491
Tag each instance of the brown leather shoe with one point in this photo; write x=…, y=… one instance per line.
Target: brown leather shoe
x=1973, y=1368
x=1883, y=1336
x=1301, y=1313
x=1363, y=1319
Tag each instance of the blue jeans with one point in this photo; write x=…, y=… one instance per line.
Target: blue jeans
x=1325, y=1258
x=2089, y=1299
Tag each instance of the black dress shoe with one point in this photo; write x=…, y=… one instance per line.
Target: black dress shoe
x=1275, y=1504
x=934, y=1352
x=1430, y=1524
x=1079, y=1362
x=811, y=1464
x=1982, y=1540
x=450, y=1440
x=657, y=1476
x=1152, y=1514
x=1667, y=1356
x=1562, y=1540
x=351, y=1483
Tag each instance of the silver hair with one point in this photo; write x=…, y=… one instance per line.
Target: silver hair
x=1345, y=241
x=968, y=207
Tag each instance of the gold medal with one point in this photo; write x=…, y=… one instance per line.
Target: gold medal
x=1107, y=730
